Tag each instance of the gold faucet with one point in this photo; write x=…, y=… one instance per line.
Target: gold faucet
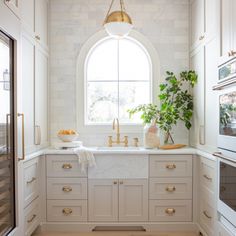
x=116, y=125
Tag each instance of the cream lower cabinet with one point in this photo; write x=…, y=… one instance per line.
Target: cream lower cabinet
x=118, y=200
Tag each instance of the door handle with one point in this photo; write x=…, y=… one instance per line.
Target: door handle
x=22, y=135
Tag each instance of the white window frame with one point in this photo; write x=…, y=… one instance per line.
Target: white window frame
x=81, y=83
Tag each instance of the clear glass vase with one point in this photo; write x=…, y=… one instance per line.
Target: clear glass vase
x=168, y=139
x=151, y=137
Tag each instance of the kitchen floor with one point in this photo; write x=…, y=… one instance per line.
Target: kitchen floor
x=115, y=233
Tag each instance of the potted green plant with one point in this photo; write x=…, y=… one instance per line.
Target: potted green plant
x=176, y=103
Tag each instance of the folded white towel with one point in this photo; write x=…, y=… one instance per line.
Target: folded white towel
x=85, y=157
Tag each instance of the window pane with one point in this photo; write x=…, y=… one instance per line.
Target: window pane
x=102, y=62
x=102, y=102
x=132, y=94
x=133, y=61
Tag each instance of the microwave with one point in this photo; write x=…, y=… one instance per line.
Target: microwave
x=227, y=119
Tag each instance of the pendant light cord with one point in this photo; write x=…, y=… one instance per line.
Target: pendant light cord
x=108, y=11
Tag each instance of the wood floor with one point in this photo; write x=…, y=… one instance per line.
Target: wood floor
x=113, y=233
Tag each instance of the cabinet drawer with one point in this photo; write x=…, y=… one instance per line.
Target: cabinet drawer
x=67, y=210
x=63, y=166
x=207, y=173
x=31, y=217
x=170, y=188
x=170, y=210
x=31, y=183
x=207, y=217
x=67, y=188
x=170, y=165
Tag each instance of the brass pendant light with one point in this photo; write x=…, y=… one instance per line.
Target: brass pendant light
x=118, y=23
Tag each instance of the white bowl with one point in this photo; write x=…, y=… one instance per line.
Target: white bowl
x=67, y=137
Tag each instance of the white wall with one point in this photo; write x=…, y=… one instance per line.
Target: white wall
x=164, y=22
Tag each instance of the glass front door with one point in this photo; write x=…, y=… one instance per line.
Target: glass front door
x=7, y=188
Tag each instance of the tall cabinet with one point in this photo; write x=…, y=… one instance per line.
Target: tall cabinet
x=35, y=73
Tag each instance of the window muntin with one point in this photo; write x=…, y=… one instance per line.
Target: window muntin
x=117, y=78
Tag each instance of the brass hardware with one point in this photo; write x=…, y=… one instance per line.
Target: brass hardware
x=22, y=135
x=67, y=211
x=31, y=181
x=207, y=177
x=37, y=37
x=31, y=219
x=206, y=214
x=201, y=37
x=117, y=16
x=117, y=141
x=66, y=189
x=170, y=211
x=121, y=182
x=67, y=166
x=231, y=53
x=37, y=139
x=115, y=182
x=136, y=142
x=170, y=189
x=170, y=166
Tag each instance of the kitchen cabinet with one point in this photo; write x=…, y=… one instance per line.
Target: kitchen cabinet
x=41, y=97
x=14, y=6
x=118, y=200
x=207, y=201
x=203, y=21
x=228, y=28
x=34, y=18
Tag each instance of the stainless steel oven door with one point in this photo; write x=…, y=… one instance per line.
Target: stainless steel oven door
x=226, y=203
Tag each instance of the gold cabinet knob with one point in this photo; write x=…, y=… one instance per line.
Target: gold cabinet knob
x=231, y=53
x=67, y=211
x=67, y=166
x=170, y=211
x=115, y=182
x=170, y=166
x=37, y=37
x=170, y=189
x=201, y=37
x=121, y=182
x=66, y=189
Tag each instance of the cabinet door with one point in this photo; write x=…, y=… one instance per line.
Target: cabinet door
x=211, y=20
x=41, y=21
x=28, y=50
x=226, y=27
x=133, y=200
x=197, y=64
x=14, y=6
x=27, y=14
x=41, y=97
x=103, y=200
x=197, y=22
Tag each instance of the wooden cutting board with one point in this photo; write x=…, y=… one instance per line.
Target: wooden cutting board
x=172, y=146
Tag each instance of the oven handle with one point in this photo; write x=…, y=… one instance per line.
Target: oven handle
x=219, y=154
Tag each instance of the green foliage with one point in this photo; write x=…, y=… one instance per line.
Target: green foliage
x=176, y=102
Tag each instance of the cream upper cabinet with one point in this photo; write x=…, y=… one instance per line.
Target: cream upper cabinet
x=203, y=21
x=228, y=28
x=197, y=21
x=198, y=64
x=27, y=14
x=133, y=200
x=14, y=6
x=41, y=97
x=41, y=21
x=28, y=50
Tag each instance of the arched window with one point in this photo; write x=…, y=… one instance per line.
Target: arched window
x=117, y=77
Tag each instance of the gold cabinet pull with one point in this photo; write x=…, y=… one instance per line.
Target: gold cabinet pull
x=170, y=211
x=31, y=181
x=170, y=189
x=115, y=182
x=206, y=214
x=22, y=135
x=121, y=182
x=66, y=189
x=170, y=166
x=67, y=211
x=37, y=37
x=67, y=166
x=207, y=177
x=31, y=219
x=201, y=37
